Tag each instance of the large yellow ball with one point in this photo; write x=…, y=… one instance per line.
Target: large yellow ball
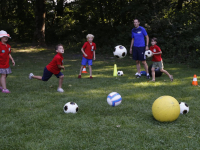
x=166, y=109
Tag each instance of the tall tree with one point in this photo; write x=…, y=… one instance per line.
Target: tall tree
x=40, y=15
x=60, y=7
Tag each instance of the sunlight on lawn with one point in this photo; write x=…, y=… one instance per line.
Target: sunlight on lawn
x=28, y=50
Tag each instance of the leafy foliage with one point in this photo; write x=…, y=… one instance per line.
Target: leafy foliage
x=174, y=22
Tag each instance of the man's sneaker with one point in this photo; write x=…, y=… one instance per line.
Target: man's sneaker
x=60, y=90
x=1, y=88
x=30, y=75
x=5, y=91
x=148, y=77
x=138, y=76
x=79, y=76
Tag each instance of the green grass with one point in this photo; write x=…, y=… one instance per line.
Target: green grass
x=32, y=114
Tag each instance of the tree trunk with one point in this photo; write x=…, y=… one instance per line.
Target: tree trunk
x=180, y=3
x=60, y=7
x=40, y=15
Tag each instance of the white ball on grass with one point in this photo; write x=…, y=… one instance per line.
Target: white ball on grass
x=184, y=108
x=70, y=107
x=120, y=73
x=114, y=99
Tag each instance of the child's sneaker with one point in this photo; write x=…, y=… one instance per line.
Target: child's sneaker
x=91, y=77
x=30, y=75
x=148, y=76
x=60, y=90
x=5, y=91
x=1, y=88
x=79, y=76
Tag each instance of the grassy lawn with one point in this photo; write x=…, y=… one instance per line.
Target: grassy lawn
x=32, y=114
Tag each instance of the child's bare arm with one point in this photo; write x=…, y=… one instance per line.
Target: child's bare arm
x=61, y=67
x=83, y=52
x=158, y=53
x=94, y=55
x=12, y=59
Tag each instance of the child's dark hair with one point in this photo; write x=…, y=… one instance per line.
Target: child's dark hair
x=155, y=39
x=56, y=47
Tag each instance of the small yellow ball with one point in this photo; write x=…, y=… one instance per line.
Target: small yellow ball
x=166, y=109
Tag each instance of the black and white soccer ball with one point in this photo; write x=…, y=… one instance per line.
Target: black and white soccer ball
x=120, y=51
x=120, y=73
x=148, y=53
x=70, y=107
x=184, y=108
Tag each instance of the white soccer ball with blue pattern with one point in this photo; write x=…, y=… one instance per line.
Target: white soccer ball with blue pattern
x=120, y=51
x=114, y=99
x=70, y=107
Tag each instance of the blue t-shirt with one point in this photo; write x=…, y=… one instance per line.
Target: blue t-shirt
x=139, y=34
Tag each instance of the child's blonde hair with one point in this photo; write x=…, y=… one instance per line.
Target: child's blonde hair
x=90, y=35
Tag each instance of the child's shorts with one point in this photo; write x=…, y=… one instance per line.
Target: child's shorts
x=47, y=74
x=139, y=53
x=86, y=61
x=5, y=71
x=158, y=64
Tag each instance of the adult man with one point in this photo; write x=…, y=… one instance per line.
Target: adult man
x=138, y=47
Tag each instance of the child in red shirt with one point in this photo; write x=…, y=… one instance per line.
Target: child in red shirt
x=5, y=55
x=53, y=67
x=157, y=59
x=88, y=51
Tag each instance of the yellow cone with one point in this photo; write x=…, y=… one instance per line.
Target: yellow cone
x=115, y=70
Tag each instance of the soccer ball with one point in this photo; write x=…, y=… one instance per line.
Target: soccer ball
x=120, y=51
x=114, y=99
x=148, y=53
x=70, y=107
x=120, y=73
x=184, y=108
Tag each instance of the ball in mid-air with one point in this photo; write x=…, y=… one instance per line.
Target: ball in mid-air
x=184, y=108
x=166, y=109
x=70, y=107
x=120, y=51
x=120, y=73
x=148, y=53
x=114, y=99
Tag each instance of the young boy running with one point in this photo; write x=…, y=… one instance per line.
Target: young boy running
x=88, y=51
x=53, y=67
x=157, y=59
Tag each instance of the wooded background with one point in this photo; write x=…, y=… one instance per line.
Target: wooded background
x=176, y=24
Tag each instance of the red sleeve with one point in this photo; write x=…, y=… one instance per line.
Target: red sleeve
x=85, y=45
x=58, y=61
x=158, y=49
x=94, y=46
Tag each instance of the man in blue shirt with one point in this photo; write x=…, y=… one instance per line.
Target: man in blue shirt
x=138, y=47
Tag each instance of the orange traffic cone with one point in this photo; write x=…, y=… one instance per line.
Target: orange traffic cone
x=194, y=82
x=84, y=70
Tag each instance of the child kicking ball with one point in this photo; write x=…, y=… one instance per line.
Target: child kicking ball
x=53, y=67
